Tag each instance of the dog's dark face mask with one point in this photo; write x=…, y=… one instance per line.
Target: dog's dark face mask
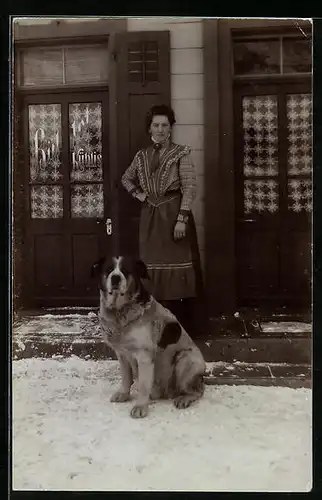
x=120, y=281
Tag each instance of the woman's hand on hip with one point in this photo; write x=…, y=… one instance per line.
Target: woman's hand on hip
x=141, y=197
x=179, y=230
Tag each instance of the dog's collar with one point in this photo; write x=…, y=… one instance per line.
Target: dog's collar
x=125, y=313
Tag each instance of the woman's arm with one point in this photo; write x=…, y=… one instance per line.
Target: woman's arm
x=188, y=182
x=130, y=179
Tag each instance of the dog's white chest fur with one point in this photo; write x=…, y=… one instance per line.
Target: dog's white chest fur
x=126, y=331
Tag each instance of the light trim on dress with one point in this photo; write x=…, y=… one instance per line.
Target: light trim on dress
x=182, y=265
x=157, y=204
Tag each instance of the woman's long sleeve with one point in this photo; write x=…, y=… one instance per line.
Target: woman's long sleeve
x=130, y=179
x=188, y=181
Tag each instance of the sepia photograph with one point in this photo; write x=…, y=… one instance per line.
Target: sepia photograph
x=161, y=297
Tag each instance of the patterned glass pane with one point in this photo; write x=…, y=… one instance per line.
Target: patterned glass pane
x=85, y=136
x=300, y=195
x=261, y=196
x=297, y=55
x=260, y=135
x=87, y=200
x=299, y=118
x=46, y=202
x=45, y=142
x=257, y=57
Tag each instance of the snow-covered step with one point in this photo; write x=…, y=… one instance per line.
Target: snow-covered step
x=79, y=334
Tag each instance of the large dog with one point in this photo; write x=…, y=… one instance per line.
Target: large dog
x=151, y=345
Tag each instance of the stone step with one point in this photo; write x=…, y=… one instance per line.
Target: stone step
x=291, y=382
x=79, y=334
x=218, y=372
x=265, y=374
x=292, y=351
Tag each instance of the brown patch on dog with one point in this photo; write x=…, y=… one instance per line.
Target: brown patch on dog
x=170, y=335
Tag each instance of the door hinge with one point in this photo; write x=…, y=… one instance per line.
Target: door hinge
x=114, y=55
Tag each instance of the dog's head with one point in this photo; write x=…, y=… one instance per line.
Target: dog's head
x=120, y=281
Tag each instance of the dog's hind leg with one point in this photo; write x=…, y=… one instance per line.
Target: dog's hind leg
x=123, y=393
x=191, y=394
x=189, y=380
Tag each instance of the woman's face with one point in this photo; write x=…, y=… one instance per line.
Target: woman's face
x=160, y=128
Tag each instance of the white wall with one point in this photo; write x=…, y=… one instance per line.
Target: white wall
x=186, y=93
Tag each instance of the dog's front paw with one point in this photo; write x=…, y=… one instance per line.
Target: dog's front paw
x=139, y=411
x=120, y=397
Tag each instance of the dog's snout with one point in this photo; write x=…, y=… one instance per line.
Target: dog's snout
x=115, y=280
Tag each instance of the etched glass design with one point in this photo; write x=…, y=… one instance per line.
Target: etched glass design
x=45, y=142
x=87, y=200
x=46, y=202
x=299, y=128
x=85, y=140
x=300, y=195
x=260, y=196
x=260, y=135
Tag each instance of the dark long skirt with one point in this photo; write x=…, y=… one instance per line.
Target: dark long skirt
x=173, y=266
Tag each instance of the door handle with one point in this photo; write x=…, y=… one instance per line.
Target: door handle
x=108, y=225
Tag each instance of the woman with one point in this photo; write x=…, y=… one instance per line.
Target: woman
x=162, y=177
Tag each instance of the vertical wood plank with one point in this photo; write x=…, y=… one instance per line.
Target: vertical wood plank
x=133, y=102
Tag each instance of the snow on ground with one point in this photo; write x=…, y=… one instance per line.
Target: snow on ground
x=67, y=435
x=286, y=327
x=55, y=328
x=63, y=324
x=81, y=324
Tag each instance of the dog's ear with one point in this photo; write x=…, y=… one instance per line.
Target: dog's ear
x=141, y=270
x=97, y=267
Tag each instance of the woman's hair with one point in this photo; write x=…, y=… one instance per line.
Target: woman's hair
x=160, y=109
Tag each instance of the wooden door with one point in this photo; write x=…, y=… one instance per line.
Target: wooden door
x=141, y=68
x=273, y=194
x=67, y=202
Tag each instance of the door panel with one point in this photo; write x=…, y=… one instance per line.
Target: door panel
x=295, y=255
x=68, y=183
x=85, y=248
x=139, y=105
x=273, y=193
x=258, y=263
x=49, y=262
x=143, y=77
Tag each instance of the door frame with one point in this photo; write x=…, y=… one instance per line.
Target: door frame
x=65, y=225
x=285, y=220
x=220, y=282
x=58, y=32
x=220, y=271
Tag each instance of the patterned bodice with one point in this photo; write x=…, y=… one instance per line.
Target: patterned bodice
x=175, y=172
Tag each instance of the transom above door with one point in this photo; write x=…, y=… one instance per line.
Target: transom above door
x=68, y=200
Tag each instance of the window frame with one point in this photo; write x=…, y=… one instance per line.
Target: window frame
x=269, y=36
x=88, y=43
